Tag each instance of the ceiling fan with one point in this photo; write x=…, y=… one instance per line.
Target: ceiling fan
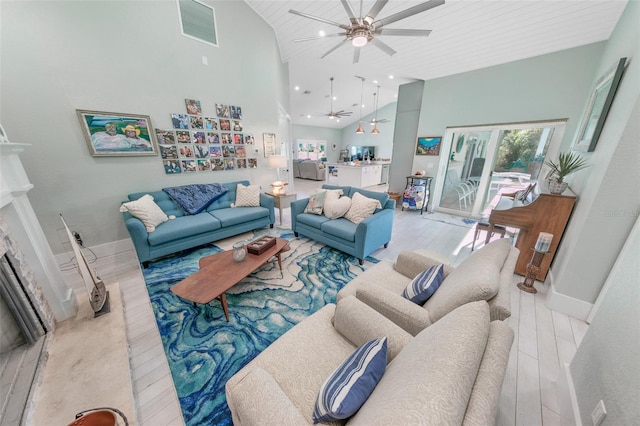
x=365, y=29
x=337, y=114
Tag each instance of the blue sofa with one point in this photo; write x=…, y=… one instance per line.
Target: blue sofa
x=216, y=222
x=359, y=240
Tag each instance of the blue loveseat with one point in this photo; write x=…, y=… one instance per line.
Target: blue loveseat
x=219, y=220
x=359, y=240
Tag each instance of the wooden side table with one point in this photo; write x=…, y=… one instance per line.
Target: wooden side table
x=282, y=201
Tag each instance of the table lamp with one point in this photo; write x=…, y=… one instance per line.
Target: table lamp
x=277, y=162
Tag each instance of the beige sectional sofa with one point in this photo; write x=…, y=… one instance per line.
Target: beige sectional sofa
x=450, y=373
x=485, y=275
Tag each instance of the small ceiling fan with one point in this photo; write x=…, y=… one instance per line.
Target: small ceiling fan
x=338, y=114
x=365, y=29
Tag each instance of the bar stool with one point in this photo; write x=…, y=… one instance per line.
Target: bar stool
x=484, y=225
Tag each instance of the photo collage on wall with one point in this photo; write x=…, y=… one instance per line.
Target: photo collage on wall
x=202, y=143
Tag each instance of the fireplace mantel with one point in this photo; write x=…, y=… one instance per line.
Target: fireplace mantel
x=16, y=211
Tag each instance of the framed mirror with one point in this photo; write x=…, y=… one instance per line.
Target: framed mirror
x=598, y=108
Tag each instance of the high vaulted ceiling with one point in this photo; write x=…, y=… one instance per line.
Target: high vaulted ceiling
x=466, y=35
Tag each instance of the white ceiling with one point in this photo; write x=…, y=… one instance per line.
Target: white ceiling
x=466, y=35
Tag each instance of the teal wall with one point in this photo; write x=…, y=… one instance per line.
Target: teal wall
x=383, y=141
x=127, y=57
x=347, y=135
x=318, y=133
x=405, y=134
x=609, y=200
x=545, y=87
x=606, y=365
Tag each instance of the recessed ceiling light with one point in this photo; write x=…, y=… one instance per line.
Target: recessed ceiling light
x=296, y=88
x=375, y=81
x=308, y=115
x=338, y=120
x=321, y=33
x=334, y=98
x=390, y=76
x=395, y=96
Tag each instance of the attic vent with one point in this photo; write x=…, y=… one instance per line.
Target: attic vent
x=307, y=92
x=198, y=21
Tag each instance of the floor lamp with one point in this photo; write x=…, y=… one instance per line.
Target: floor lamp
x=277, y=162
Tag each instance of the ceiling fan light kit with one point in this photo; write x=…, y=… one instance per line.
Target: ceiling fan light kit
x=366, y=29
x=338, y=114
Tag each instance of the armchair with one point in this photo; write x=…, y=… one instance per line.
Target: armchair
x=463, y=357
x=485, y=275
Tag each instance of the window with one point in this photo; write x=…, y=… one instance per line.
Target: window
x=198, y=21
x=311, y=150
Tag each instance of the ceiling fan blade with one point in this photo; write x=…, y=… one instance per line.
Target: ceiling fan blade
x=408, y=12
x=318, y=37
x=316, y=18
x=356, y=55
x=377, y=7
x=334, y=47
x=400, y=32
x=383, y=46
x=350, y=12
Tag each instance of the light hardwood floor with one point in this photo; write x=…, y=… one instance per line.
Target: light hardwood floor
x=544, y=339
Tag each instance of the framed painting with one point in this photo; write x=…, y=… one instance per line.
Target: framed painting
x=113, y=134
x=269, y=142
x=429, y=145
x=598, y=107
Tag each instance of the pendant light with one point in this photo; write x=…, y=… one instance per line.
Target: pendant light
x=375, y=130
x=360, y=130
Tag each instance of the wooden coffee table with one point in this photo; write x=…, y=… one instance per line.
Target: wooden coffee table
x=219, y=272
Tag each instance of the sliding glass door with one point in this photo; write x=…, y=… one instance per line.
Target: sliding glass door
x=479, y=163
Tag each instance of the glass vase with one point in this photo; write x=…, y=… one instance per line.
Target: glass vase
x=239, y=251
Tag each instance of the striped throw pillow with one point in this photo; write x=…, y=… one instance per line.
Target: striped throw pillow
x=424, y=284
x=349, y=386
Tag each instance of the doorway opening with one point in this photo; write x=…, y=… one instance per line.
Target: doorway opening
x=479, y=163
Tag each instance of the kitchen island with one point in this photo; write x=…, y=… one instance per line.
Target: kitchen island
x=361, y=174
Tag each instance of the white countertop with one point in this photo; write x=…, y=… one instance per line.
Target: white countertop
x=362, y=164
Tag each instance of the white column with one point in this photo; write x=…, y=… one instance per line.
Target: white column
x=25, y=228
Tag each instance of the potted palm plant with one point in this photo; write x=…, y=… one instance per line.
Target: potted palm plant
x=568, y=162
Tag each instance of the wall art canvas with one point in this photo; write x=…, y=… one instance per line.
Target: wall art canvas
x=193, y=106
x=236, y=112
x=429, y=145
x=165, y=136
x=222, y=111
x=180, y=121
x=269, y=142
x=110, y=134
x=171, y=167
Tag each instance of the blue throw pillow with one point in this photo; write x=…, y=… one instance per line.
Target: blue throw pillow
x=197, y=197
x=424, y=284
x=344, y=392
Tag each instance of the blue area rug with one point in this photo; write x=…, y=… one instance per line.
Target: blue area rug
x=204, y=351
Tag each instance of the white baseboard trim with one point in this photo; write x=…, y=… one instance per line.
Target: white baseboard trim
x=567, y=399
x=566, y=304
